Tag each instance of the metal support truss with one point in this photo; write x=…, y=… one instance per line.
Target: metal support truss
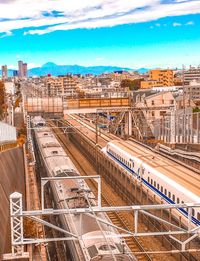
x=17, y=215
x=16, y=224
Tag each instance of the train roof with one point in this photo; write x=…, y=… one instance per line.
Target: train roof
x=172, y=170
x=38, y=121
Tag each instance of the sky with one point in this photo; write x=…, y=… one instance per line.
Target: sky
x=127, y=33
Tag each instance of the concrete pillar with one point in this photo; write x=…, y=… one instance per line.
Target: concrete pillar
x=173, y=127
x=128, y=124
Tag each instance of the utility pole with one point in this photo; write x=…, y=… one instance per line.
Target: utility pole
x=97, y=120
x=183, y=80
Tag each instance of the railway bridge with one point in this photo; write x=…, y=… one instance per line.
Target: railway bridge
x=58, y=105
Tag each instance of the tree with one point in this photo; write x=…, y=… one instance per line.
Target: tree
x=2, y=100
x=131, y=84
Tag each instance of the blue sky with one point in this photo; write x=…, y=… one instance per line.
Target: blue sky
x=127, y=33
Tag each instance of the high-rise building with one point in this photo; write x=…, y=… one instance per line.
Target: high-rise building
x=4, y=70
x=22, y=69
x=25, y=70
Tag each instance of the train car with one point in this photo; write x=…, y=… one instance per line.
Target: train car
x=38, y=121
x=153, y=178
x=96, y=240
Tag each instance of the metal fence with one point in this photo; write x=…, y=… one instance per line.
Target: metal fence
x=179, y=127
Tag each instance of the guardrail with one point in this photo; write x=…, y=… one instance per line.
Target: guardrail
x=8, y=145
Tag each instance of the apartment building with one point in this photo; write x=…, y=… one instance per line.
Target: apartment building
x=60, y=86
x=155, y=104
x=159, y=78
x=193, y=73
x=192, y=91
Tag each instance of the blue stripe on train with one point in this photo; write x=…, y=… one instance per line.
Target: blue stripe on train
x=184, y=212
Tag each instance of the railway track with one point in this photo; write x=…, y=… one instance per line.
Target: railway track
x=108, y=137
x=130, y=224
x=122, y=220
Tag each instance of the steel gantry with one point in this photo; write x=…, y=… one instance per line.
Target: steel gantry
x=17, y=214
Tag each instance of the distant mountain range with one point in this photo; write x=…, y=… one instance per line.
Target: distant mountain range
x=55, y=70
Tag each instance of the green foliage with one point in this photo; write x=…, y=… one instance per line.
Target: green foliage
x=196, y=109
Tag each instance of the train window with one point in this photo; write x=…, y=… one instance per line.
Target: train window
x=169, y=194
x=148, y=179
x=198, y=216
x=165, y=192
x=154, y=184
x=178, y=200
x=173, y=197
x=151, y=181
x=158, y=186
x=161, y=188
x=193, y=212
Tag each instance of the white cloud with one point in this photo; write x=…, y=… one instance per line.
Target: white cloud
x=177, y=24
x=33, y=65
x=190, y=23
x=8, y=33
x=45, y=16
x=12, y=66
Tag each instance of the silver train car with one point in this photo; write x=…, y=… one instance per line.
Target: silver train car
x=154, y=179
x=96, y=240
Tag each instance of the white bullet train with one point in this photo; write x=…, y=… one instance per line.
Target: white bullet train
x=96, y=240
x=154, y=179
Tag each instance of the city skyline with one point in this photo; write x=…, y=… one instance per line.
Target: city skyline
x=148, y=34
